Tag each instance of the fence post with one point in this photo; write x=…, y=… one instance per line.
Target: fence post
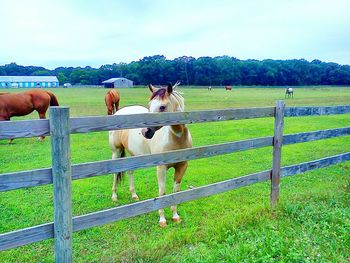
x=62, y=182
x=277, y=147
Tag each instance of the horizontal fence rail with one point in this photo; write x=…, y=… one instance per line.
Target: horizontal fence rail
x=36, y=128
x=315, y=111
x=31, y=178
x=45, y=231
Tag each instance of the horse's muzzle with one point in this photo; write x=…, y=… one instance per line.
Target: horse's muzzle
x=148, y=132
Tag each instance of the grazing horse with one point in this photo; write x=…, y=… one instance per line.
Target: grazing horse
x=228, y=88
x=23, y=103
x=112, y=101
x=289, y=92
x=153, y=140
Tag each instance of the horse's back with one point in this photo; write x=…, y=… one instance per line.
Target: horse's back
x=130, y=139
x=113, y=94
x=132, y=110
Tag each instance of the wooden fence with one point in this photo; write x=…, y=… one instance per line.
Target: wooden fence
x=60, y=126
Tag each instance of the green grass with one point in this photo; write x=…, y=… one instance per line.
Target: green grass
x=313, y=219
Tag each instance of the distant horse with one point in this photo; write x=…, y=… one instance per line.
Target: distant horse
x=289, y=92
x=112, y=101
x=153, y=140
x=228, y=88
x=209, y=88
x=23, y=103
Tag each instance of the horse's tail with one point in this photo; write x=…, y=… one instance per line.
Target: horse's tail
x=53, y=99
x=120, y=175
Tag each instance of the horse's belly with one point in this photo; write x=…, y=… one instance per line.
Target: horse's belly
x=136, y=143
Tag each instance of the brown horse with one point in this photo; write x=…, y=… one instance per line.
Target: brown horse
x=228, y=88
x=23, y=103
x=112, y=101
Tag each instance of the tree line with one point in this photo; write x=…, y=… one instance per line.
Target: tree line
x=204, y=71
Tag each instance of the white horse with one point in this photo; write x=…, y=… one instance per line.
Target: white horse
x=153, y=140
x=289, y=92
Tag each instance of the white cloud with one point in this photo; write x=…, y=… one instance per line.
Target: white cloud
x=79, y=33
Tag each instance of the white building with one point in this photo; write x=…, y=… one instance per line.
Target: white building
x=118, y=83
x=28, y=82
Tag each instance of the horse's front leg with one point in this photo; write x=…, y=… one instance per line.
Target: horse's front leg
x=116, y=153
x=161, y=175
x=132, y=186
x=180, y=170
x=6, y=119
x=42, y=116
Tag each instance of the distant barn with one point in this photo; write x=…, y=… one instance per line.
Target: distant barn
x=118, y=83
x=28, y=82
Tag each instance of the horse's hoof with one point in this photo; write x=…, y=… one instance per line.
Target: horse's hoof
x=176, y=219
x=135, y=198
x=114, y=198
x=162, y=224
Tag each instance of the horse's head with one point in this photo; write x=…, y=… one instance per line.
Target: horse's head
x=164, y=99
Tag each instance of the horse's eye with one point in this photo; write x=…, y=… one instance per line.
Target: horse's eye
x=162, y=108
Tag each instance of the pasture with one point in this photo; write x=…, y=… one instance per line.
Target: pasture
x=312, y=223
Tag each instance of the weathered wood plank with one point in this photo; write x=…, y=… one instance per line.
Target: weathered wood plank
x=277, y=150
x=41, y=232
x=33, y=128
x=312, y=111
x=32, y=178
x=26, y=236
x=62, y=183
x=316, y=164
x=137, y=162
x=106, y=123
x=316, y=135
x=24, y=129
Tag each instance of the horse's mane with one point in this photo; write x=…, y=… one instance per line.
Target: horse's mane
x=180, y=101
x=175, y=96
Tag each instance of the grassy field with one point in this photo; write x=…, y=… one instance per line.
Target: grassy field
x=313, y=219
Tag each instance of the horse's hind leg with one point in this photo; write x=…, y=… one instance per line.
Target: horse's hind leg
x=180, y=170
x=116, y=154
x=42, y=115
x=132, y=186
x=116, y=106
x=161, y=175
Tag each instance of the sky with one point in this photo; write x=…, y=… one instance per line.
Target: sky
x=94, y=33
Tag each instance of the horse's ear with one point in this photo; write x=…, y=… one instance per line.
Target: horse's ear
x=169, y=89
x=151, y=88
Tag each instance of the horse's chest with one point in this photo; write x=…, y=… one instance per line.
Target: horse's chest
x=168, y=141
